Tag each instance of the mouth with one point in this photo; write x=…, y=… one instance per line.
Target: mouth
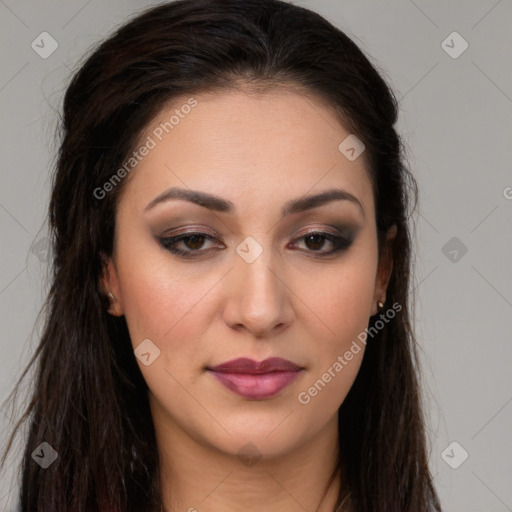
x=256, y=380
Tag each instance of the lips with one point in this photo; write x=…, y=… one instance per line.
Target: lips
x=250, y=367
x=256, y=380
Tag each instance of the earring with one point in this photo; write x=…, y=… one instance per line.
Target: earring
x=380, y=305
x=111, y=297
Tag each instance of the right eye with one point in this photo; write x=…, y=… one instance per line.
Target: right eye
x=191, y=243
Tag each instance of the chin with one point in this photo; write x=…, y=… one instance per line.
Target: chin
x=267, y=437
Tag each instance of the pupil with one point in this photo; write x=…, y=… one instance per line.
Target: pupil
x=317, y=238
x=194, y=241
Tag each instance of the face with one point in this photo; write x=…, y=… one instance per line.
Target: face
x=220, y=255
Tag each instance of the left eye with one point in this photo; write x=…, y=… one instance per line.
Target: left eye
x=315, y=241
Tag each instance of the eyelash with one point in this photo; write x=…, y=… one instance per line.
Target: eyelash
x=340, y=243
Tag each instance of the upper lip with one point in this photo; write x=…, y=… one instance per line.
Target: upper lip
x=246, y=366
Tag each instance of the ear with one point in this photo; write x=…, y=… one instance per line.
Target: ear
x=385, y=269
x=109, y=286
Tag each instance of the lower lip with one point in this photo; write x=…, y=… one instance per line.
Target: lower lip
x=256, y=387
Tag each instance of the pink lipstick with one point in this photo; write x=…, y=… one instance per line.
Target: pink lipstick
x=256, y=380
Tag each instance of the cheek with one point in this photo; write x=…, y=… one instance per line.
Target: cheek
x=346, y=308
x=338, y=354
x=343, y=298
x=162, y=301
x=342, y=302
x=164, y=307
x=170, y=311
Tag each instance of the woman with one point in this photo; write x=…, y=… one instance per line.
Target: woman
x=229, y=325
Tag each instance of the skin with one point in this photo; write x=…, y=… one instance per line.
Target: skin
x=257, y=151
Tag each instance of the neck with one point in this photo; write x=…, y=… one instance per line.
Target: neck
x=199, y=478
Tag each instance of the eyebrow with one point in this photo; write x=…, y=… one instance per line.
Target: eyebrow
x=223, y=205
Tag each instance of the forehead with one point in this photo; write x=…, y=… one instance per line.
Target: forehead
x=246, y=147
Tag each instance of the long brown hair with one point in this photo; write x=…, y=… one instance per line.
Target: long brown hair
x=89, y=400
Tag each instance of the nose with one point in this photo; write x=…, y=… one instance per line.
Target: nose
x=259, y=299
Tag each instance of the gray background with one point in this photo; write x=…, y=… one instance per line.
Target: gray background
x=457, y=124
